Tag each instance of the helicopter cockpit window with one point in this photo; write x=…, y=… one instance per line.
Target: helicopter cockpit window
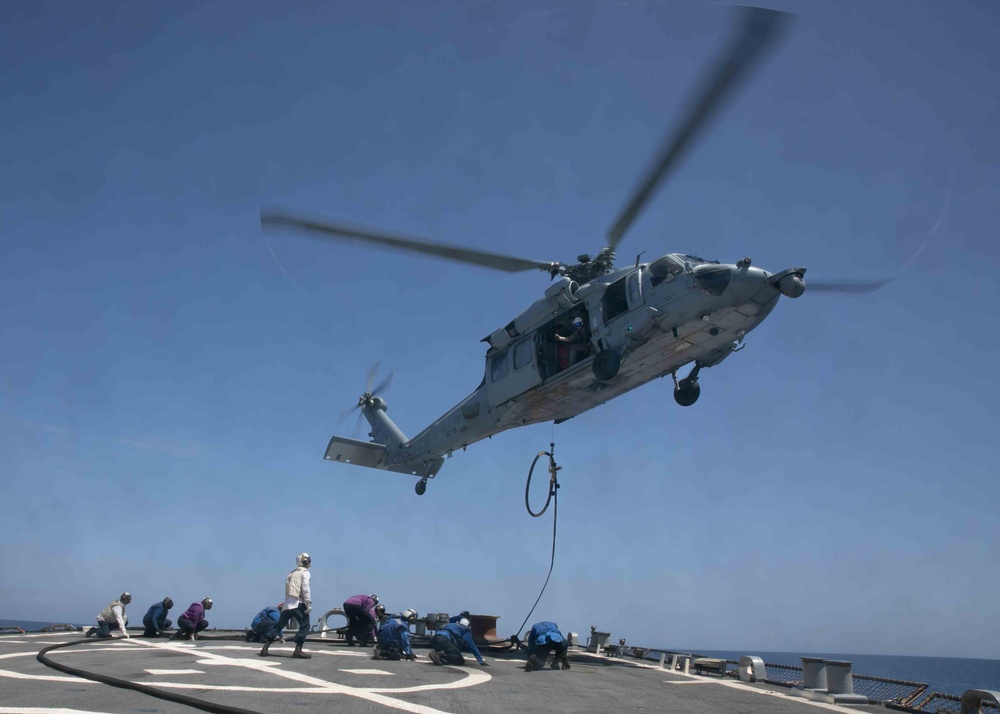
x=713, y=281
x=614, y=301
x=664, y=269
x=498, y=367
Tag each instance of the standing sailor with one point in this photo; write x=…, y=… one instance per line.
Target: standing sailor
x=155, y=618
x=298, y=603
x=112, y=615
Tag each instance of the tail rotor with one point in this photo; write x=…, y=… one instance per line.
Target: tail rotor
x=366, y=399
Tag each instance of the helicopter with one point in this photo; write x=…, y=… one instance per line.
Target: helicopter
x=598, y=331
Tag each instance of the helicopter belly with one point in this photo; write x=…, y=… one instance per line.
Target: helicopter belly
x=664, y=352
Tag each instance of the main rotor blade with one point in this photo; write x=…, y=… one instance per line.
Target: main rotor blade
x=327, y=229
x=758, y=30
x=845, y=286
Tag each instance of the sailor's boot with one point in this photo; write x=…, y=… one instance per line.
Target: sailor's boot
x=91, y=631
x=298, y=653
x=264, y=649
x=565, y=662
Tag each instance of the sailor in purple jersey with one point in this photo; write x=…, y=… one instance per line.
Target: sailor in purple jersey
x=360, y=612
x=193, y=620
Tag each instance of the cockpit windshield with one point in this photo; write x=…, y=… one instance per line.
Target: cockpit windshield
x=664, y=269
x=713, y=281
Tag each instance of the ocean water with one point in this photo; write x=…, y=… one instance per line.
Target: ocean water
x=949, y=675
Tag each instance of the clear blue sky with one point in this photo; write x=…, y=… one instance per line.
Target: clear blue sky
x=169, y=378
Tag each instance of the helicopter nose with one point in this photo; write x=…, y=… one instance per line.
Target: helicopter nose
x=746, y=282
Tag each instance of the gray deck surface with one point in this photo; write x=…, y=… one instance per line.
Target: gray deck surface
x=223, y=669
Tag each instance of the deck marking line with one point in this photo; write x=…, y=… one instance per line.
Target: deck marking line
x=174, y=671
x=46, y=710
x=368, y=671
x=330, y=687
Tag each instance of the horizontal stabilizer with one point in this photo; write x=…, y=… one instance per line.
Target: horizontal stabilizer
x=352, y=451
x=372, y=455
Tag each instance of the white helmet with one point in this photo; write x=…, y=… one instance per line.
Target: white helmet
x=409, y=615
x=126, y=597
x=464, y=622
x=303, y=560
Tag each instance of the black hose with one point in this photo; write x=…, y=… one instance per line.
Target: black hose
x=142, y=688
x=554, y=498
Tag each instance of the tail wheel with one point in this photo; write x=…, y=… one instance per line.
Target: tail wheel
x=421, y=487
x=687, y=392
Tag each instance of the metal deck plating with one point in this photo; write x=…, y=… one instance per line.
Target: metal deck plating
x=221, y=669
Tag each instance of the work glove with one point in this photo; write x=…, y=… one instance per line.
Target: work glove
x=124, y=635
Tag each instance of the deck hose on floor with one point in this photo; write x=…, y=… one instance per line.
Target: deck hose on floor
x=141, y=688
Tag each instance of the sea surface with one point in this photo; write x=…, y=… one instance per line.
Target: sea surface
x=949, y=675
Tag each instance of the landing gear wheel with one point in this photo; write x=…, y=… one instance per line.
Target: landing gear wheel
x=687, y=392
x=421, y=487
x=606, y=365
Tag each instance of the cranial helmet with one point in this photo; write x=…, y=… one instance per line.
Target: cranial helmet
x=409, y=615
x=207, y=603
x=168, y=603
x=303, y=560
x=281, y=605
x=578, y=322
x=464, y=622
x=126, y=597
x=375, y=598
x=379, y=609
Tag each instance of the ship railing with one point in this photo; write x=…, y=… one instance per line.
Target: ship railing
x=879, y=690
x=941, y=703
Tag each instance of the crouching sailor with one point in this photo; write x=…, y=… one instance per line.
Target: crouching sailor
x=393, y=641
x=112, y=615
x=155, y=618
x=448, y=641
x=261, y=623
x=545, y=637
x=298, y=603
x=193, y=620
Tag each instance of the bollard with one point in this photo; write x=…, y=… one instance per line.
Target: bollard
x=674, y=661
x=972, y=700
x=814, y=673
x=663, y=659
x=838, y=677
x=752, y=669
x=686, y=659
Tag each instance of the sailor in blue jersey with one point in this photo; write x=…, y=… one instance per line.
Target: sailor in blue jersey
x=464, y=614
x=543, y=638
x=393, y=640
x=448, y=641
x=260, y=624
x=155, y=618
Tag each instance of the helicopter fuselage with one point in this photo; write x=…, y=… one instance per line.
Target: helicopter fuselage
x=639, y=323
